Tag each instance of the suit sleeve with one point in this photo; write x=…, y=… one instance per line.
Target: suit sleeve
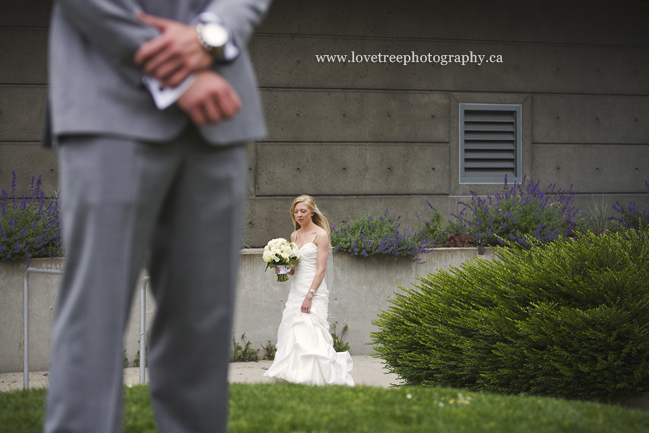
x=112, y=27
x=242, y=16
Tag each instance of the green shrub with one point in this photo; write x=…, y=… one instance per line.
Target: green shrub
x=570, y=320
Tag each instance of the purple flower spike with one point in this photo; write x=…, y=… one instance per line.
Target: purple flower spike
x=30, y=224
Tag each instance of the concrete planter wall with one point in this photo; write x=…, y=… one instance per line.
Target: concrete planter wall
x=43, y=291
x=362, y=288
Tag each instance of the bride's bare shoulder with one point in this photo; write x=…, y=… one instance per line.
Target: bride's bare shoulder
x=321, y=237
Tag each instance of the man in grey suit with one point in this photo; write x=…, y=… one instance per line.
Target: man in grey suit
x=150, y=104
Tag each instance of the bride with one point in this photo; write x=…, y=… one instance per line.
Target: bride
x=305, y=352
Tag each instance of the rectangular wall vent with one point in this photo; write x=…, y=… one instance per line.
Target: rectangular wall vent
x=490, y=143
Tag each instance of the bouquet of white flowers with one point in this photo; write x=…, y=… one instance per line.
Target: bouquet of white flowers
x=282, y=254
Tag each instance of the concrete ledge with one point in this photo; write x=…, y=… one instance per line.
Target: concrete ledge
x=362, y=288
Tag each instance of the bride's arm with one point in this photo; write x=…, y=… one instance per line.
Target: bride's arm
x=323, y=252
x=322, y=242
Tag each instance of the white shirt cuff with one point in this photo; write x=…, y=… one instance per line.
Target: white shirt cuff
x=166, y=96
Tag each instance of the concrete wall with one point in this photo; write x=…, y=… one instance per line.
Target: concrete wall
x=364, y=138
x=43, y=291
x=361, y=289
x=369, y=137
x=23, y=85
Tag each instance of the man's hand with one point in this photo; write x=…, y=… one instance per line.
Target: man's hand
x=174, y=55
x=210, y=99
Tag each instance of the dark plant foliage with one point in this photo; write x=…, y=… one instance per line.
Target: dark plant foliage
x=458, y=240
x=29, y=226
x=243, y=353
x=521, y=209
x=369, y=235
x=631, y=216
x=433, y=229
x=136, y=360
x=339, y=344
x=570, y=319
x=270, y=350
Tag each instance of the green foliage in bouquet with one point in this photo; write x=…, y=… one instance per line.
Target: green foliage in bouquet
x=569, y=319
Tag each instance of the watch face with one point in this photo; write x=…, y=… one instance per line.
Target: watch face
x=214, y=35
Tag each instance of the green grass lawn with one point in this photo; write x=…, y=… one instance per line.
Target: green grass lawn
x=293, y=408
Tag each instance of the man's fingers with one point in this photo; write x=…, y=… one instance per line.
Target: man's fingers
x=213, y=111
x=154, y=21
x=176, y=77
x=231, y=103
x=171, y=69
x=151, y=53
x=156, y=64
x=176, y=48
x=197, y=115
x=204, y=111
x=210, y=99
x=159, y=44
x=166, y=71
x=227, y=100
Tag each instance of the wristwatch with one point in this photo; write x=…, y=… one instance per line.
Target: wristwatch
x=212, y=37
x=312, y=291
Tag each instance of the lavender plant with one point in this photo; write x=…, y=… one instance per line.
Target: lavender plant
x=519, y=210
x=29, y=226
x=631, y=217
x=433, y=229
x=369, y=235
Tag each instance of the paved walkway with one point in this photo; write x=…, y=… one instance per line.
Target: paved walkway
x=367, y=371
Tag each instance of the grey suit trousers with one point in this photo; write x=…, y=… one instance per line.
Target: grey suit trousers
x=182, y=202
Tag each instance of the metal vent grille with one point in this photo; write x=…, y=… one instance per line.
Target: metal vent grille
x=490, y=143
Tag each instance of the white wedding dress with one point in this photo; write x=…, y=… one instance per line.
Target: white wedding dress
x=305, y=352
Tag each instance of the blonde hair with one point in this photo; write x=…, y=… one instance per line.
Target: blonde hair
x=318, y=219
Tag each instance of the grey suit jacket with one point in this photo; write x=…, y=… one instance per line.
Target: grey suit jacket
x=95, y=88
